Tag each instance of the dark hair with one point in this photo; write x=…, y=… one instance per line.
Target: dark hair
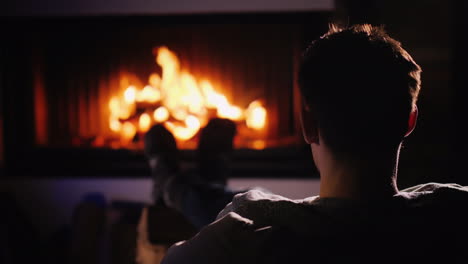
x=360, y=86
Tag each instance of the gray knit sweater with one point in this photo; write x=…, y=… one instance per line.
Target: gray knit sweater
x=245, y=231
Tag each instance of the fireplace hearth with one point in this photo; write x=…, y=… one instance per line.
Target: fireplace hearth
x=78, y=93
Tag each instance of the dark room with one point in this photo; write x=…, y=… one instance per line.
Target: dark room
x=256, y=131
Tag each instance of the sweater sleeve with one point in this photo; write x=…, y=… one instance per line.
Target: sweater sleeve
x=252, y=198
x=229, y=239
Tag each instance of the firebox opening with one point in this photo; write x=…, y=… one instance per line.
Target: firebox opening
x=182, y=103
x=98, y=83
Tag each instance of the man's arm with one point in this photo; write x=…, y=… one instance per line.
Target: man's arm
x=230, y=239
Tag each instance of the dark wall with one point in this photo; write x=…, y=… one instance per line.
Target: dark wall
x=460, y=83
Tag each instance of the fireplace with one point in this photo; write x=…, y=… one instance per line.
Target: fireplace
x=81, y=91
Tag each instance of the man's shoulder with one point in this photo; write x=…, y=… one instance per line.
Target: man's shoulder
x=255, y=196
x=436, y=208
x=252, y=202
x=435, y=193
x=433, y=186
x=230, y=239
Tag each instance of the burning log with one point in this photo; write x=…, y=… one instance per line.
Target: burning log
x=177, y=100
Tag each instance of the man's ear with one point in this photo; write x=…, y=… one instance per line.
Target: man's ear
x=309, y=125
x=412, y=120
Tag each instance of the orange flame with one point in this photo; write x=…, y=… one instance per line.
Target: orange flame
x=128, y=131
x=130, y=95
x=144, y=122
x=161, y=114
x=115, y=125
x=256, y=115
x=180, y=102
x=148, y=94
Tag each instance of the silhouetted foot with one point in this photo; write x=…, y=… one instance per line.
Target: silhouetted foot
x=214, y=150
x=163, y=157
x=161, y=144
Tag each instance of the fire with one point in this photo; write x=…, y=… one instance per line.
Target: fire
x=115, y=125
x=128, y=131
x=256, y=115
x=192, y=125
x=179, y=101
x=130, y=94
x=161, y=114
x=144, y=122
x=149, y=94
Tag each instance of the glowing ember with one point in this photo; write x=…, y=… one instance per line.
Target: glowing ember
x=148, y=94
x=176, y=99
x=230, y=112
x=128, y=131
x=130, y=95
x=256, y=115
x=258, y=144
x=161, y=114
x=115, y=125
x=144, y=122
x=192, y=122
x=114, y=105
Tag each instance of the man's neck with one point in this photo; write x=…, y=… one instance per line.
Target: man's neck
x=358, y=179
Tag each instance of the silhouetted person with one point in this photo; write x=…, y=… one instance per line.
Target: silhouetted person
x=359, y=91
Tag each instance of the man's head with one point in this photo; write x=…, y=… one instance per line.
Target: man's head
x=359, y=89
